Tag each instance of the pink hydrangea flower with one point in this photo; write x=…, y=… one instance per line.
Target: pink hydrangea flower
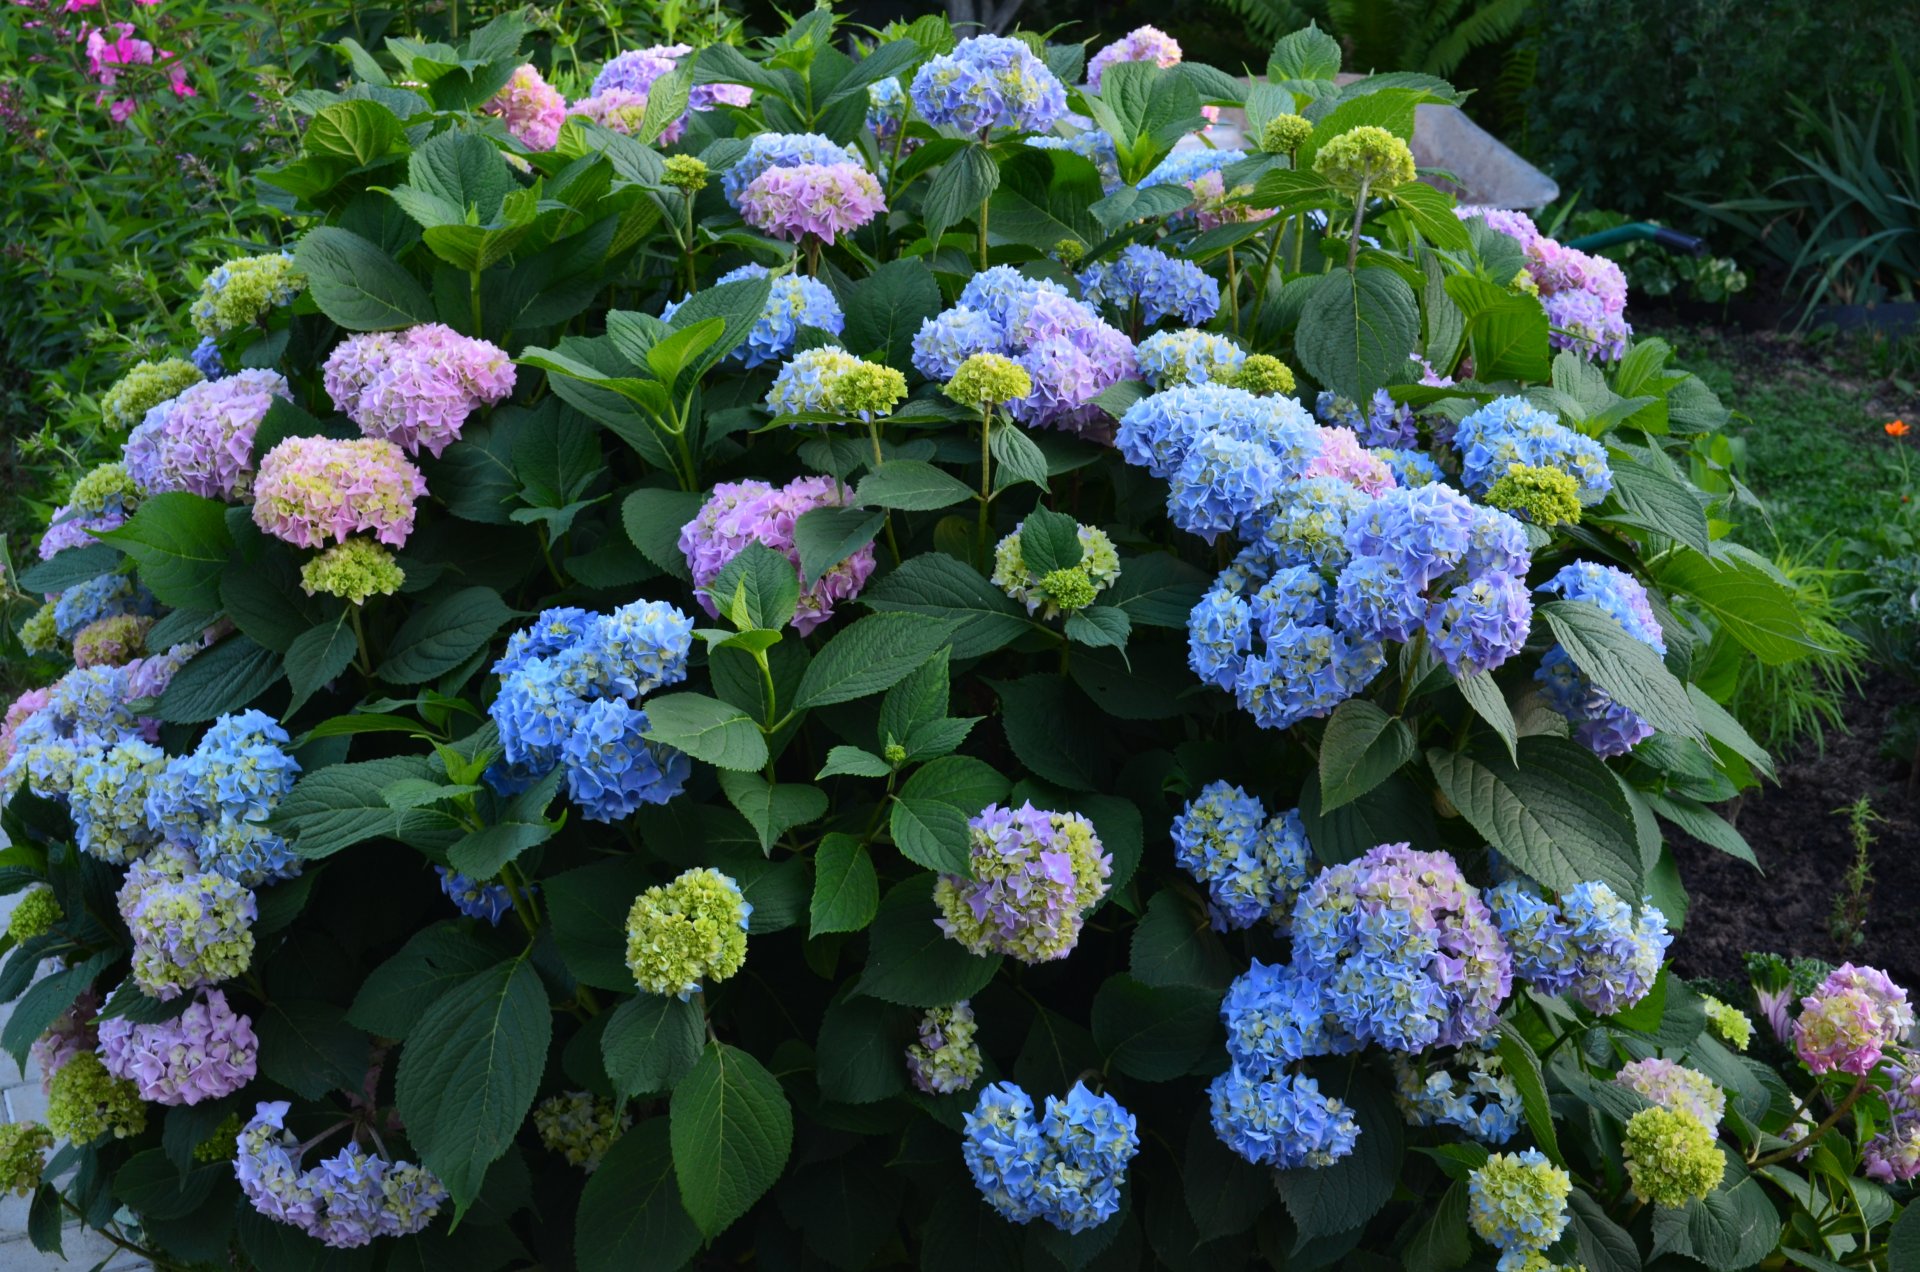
x=1342, y=455
x=17, y=712
x=635, y=71
x=1851, y=1020
x=616, y=108
x=416, y=387
x=744, y=512
x=206, y=1052
x=824, y=200
x=532, y=109
x=1142, y=44
x=313, y=488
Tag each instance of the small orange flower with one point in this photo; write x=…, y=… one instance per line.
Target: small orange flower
x=1899, y=428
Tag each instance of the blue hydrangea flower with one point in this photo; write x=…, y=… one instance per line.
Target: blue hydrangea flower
x=886, y=109
x=1282, y=1121
x=1510, y=430
x=646, y=645
x=1481, y=623
x=215, y=802
x=1409, y=467
x=1091, y=144
x=1589, y=946
x=1162, y=286
x=86, y=711
x=206, y=358
x=1006, y=295
x=1425, y=531
x=948, y=339
x=1309, y=521
x=1375, y=600
x=1599, y=722
x=989, y=81
x=1276, y=1016
x=1223, y=485
x=796, y=301
x=1472, y=1092
x=1157, y=431
x=1253, y=868
x=474, y=898
x=611, y=769
x=1171, y=358
x=782, y=150
x=1065, y=1168
x=1384, y=423
x=1184, y=167
x=105, y=596
x=554, y=632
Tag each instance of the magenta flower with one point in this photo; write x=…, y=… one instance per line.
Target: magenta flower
x=824, y=200
x=416, y=388
x=532, y=109
x=313, y=488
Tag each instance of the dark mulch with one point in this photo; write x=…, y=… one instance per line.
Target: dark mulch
x=1804, y=848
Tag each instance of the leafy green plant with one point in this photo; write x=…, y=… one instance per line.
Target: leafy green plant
x=1848, y=923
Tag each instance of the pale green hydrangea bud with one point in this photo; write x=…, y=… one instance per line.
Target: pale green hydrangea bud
x=85, y=1102
x=1523, y=282
x=1517, y=1202
x=687, y=931
x=684, y=172
x=244, y=290
x=1263, y=373
x=1365, y=155
x=1545, y=496
x=34, y=914
x=988, y=379
x=1061, y=591
x=1070, y=251
x=1671, y=1157
x=23, y=1153
x=142, y=388
x=580, y=1127
x=221, y=1143
x=1284, y=134
x=868, y=389
x=106, y=485
x=1729, y=1023
x=895, y=754
x=40, y=634
x=353, y=570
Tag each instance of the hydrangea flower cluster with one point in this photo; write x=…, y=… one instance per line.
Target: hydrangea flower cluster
x=85, y=1102
x=636, y=70
x=206, y=1052
x=1069, y=353
x=1065, y=1168
x=1589, y=945
x=687, y=931
x=795, y=302
x=1142, y=44
x=1060, y=591
x=887, y=108
x=782, y=150
x=23, y=1155
x=100, y=501
x=738, y=513
x=189, y=928
x=1511, y=431
x=986, y=380
x=1848, y=1023
x=353, y=570
x=1169, y=359
x=1474, y=1093
x=1276, y=1017
x=580, y=1126
x=1162, y=286
x=823, y=200
x=1671, y=1157
x=85, y=712
x=945, y=1057
x=215, y=801
x=1893, y=1155
x=34, y=914
x=314, y=488
x=829, y=380
x=1385, y=422
x=344, y=1201
x=1674, y=1086
x=1366, y=158
x=531, y=108
x=145, y=386
x=108, y=800
x=987, y=82
x=72, y=1033
x=244, y=291
x=206, y=357
x=1598, y=721
x=1254, y=867
x=416, y=388
x=1585, y=296
x=1729, y=1024
x=108, y=642
x=1517, y=1203
x=202, y=440
x=475, y=898
x=570, y=687
x=1035, y=877
x=619, y=109
x=102, y=597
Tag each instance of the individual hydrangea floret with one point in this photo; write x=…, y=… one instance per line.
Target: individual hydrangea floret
x=1283, y=1120
x=1590, y=946
x=1407, y=951
x=1854, y=1017
x=825, y=201
x=782, y=150
x=1169, y=359
x=145, y=386
x=795, y=301
x=1035, y=877
x=987, y=82
x=416, y=388
x=23, y=1155
x=1728, y=1023
x=1058, y=591
x=580, y=1126
x=1065, y=1168
x=354, y=570
x=86, y=1102
x=531, y=108
x=687, y=931
x=1162, y=286
x=100, y=501
x=988, y=379
x=243, y=291
x=189, y=928
x=1142, y=44
x=202, y=440
x=475, y=898
x=1472, y=1092
x=1674, y=1086
x=1671, y=1157
x=743, y=512
x=206, y=1052
x=1517, y=1203
x=1253, y=867
x=1365, y=158
x=346, y=1200
x=34, y=914
x=215, y=801
x=315, y=488
x=945, y=1057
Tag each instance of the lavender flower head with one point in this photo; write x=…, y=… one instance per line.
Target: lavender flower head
x=989, y=81
x=202, y=441
x=1142, y=44
x=782, y=150
x=1035, y=876
x=100, y=501
x=1848, y=1023
x=1253, y=867
x=739, y=513
x=416, y=388
x=531, y=108
x=635, y=72
x=822, y=200
x=206, y=1052
x=1674, y=1086
x=945, y=1057
x=344, y=1201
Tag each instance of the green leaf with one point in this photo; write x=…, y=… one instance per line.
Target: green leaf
x=1431, y=211
x=1727, y=1230
x=851, y=761
x=1099, y=627
x=1558, y=815
x=920, y=698
x=871, y=654
x=220, y=680
x=1442, y=1242
x=1728, y=732
x=316, y=656
x=1174, y=945
x=1523, y=1069
x=1358, y=330
x=772, y=808
x=846, y=890
x=651, y=1042
x=46, y=999
x=740, y=304
x=1306, y=54
x=1604, y=1245
x=630, y=1217
x=1646, y=497
x=930, y=811
x=910, y=961
x=706, y=729
x=1052, y=732
x=1748, y=602
x=731, y=1132
x=1154, y=1033
x=1044, y=199
x=485, y=852
x=1158, y=590
x=357, y=285
x=463, y=170
x=589, y=907
x=341, y=805
x=825, y=537
x=1225, y=1193
x=1341, y=1197
x=1484, y=696
x=944, y=587
x=1630, y=670
x=962, y=184
x=1507, y=333
x=361, y=131
x=667, y=101
x=441, y=635
x=1016, y=458
x=758, y=588
x=857, y=1060
x=398, y=993
x=181, y=544
x=1361, y=748
x=468, y=1075
x=654, y=519
x=307, y=1046
x=911, y=485
x=1049, y=541
x=75, y=565
x=264, y=599
x=885, y=310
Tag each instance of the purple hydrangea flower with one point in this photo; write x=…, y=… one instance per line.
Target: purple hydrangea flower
x=987, y=82
x=202, y=441
x=206, y=1052
x=739, y=513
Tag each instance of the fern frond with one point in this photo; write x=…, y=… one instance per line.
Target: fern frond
x=1489, y=23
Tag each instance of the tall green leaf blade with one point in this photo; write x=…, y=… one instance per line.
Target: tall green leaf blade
x=731, y=1131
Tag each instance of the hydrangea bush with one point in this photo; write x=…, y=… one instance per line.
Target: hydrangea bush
x=886, y=657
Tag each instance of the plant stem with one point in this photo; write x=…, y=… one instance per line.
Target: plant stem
x=893, y=543
x=473, y=299
x=1832, y=1119
x=1359, y=219
x=983, y=233
x=1233, y=291
x=986, y=482
x=361, y=663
